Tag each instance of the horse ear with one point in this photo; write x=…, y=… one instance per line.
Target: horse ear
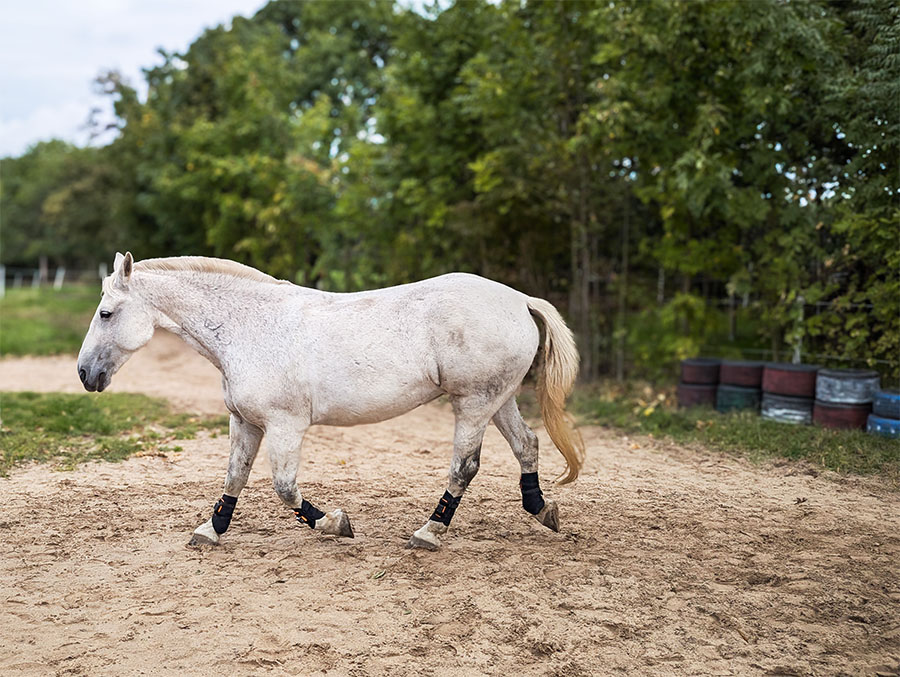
x=118, y=261
x=123, y=267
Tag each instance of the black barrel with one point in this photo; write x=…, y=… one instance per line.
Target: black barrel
x=847, y=415
x=887, y=404
x=793, y=380
x=699, y=370
x=737, y=397
x=847, y=386
x=696, y=395
x=787, y=409
x=746, y=374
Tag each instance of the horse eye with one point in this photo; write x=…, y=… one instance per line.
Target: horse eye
x=105, y=314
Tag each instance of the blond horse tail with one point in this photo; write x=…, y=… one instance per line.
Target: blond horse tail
x=556, y=376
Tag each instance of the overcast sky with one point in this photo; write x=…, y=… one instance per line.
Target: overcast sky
x=50, y=52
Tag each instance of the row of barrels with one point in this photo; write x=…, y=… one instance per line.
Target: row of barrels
x=792, y=393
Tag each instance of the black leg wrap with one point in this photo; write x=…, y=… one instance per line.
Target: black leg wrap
x=307, y=514
x=532, y=496
x=445, y=509
x=222, y=513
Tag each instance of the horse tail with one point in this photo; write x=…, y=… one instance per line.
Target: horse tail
x=556, y=376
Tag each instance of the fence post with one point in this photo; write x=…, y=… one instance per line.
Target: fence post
x=798, y=332
x=732, y=320
x=60, y=276
x=2, y=280
x=36, y=279
x=101, y=270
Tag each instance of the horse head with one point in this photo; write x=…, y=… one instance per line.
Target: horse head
x=122, y=323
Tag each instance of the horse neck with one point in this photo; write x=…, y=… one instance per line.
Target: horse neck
x=208, y=311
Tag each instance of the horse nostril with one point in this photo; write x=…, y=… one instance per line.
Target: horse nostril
x=83, y=374
x=102, y=377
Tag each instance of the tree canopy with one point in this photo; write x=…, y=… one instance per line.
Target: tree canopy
x=635, y=162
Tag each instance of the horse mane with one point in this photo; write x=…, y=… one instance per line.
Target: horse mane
x=204, y=264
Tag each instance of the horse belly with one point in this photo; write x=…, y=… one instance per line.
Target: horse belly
x=371, y=401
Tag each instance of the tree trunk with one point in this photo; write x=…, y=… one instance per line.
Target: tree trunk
x=623, y=296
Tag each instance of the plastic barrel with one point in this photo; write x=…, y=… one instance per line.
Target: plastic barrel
x=886, y=404
x=703, y=370
x=696, y=395
x=793, y=380
x=787, y=409
x=886, y=427
x=850, y=386
x=737, y=397
x=747, y=374
x=841, y=414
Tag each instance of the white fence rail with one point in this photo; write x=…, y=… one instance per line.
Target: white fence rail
x=17, y=278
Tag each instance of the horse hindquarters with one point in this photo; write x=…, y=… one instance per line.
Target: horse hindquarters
x=490, y=393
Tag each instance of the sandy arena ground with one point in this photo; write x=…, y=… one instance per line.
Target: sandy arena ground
x=670, y=561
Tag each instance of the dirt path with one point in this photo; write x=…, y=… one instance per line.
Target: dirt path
x=669, y=562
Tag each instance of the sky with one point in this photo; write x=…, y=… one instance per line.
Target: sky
x=51, y=51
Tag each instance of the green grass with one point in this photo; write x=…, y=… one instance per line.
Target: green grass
x=46, y=321
x=641, y=409
x=70, y=429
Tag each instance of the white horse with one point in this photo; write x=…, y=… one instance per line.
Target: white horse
x=293, y=357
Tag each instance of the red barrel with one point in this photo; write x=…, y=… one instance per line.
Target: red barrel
x=795, y=380
x=841, y=415
x=745, y=374
x=696, y=395
x=700, y=370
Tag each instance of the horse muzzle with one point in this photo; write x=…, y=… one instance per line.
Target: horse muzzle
x=93, y=380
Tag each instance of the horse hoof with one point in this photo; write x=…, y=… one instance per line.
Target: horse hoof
x=427, y=536
x=205, y=534
x=198, y=540
x=416, y=542
x=549, y=516
x=344, y=528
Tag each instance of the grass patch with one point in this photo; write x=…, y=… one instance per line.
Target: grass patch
x=46, y=321
x=641, y=409
x=70, y=429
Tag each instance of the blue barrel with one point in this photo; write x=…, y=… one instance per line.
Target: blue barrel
x=886, y=427
x=887, y=404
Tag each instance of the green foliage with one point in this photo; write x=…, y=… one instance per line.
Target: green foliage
x=658, y=340
x=46, y=321
x=575, y=150
x=60, y=202
x=71, y=429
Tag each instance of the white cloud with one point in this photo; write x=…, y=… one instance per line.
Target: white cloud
x=65, y=120
x=50, y=53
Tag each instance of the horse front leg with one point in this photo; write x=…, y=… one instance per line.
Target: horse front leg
x=245, y=438
x=284, y=443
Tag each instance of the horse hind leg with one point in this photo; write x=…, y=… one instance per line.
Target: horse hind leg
x=524, y=444
x=471, y=422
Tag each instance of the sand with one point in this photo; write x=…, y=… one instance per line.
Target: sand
x=670, y=560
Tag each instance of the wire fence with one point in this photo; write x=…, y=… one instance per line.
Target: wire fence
x=795, y=347
x=18, y=277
